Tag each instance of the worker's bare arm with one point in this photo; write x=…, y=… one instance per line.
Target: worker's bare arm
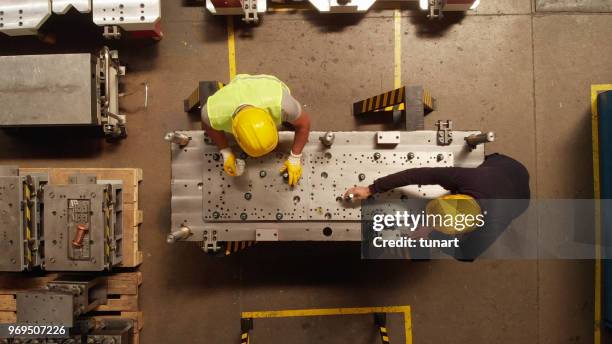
x=218, y=137
x=302, y=130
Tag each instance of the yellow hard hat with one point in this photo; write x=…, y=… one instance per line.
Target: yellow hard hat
x=454, y=214
x=255, y=131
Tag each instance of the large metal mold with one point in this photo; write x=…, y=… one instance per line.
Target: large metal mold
x=62, y=301
x=62, y=90
x=83, y=225
x=210, y=207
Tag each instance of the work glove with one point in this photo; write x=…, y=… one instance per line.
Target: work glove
x=293, y=167
x=232, y=166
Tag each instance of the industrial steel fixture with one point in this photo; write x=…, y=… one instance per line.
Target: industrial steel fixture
x=68, y=302
x=141, y=18
x=20, y=219
x=72, y=227
x=250, y=9
x=213, y=209
x=62, y=90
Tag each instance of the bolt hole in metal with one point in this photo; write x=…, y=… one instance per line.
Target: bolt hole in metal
x=327, y=231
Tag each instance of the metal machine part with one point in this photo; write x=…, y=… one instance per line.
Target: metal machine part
x=25, y=17
x=83, y=225
x=177, y=235
x=62, y=90
x=215, y=209
x=20, y=219
x=89, y=292
x=475, y=140
x=112, y=331
x=327, y=139
x=63, y=300
x=178, y=138
x=444, y=135
x=250, y=8
x=45, y=307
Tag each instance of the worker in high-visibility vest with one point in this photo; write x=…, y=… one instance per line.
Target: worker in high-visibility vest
x=251, y=108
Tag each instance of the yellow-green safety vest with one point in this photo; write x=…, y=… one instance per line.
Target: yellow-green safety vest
x=262, y=91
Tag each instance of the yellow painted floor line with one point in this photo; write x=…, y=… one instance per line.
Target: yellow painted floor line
x=397, y=51
x=595, y=90
x=337, y=311
x=231, y=47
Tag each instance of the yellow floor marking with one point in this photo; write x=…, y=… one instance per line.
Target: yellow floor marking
x=337, y=311
x=397, y=64
x=595, y=90
x=231, y=47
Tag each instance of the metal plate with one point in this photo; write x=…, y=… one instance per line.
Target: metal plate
x=23, y=17
x=326, y=176
x=191, y=184
x=131, y=15
x=11, y=234
x=63, y=6
x=54, y=89
x=62, y=204
x=45, y=307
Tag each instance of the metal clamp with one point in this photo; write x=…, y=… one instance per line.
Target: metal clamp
x=444, y=137
x=250, y=11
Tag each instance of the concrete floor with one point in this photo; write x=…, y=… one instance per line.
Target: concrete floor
x=508, y=69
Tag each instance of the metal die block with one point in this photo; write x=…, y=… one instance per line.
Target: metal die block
x=23, y=17
x=217, y=208
x=62, y=90
x=388, y=137
x=47, y=90
x=116, y=331
x=130, y=15
x=83, y=227
x=12, y=237
x=89, y=292
x=45, y=307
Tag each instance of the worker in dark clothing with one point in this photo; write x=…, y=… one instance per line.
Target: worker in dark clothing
x=489, y=186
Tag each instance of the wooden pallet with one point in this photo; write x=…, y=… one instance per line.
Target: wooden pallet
x=123, y=294
x=132, y=215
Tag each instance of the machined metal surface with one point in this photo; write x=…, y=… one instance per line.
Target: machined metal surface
x=20, y=219
x=11, y=233
x=89, y=292
x=113, y=331
x=38, y=307
x=62, y=90
x=56, y=89
x=63, y=6
x=23, y=17
x=83, y=206
x=216, y=207
x=130, y=15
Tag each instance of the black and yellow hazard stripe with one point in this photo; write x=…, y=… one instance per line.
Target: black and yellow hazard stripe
x=198, y=97
x=244, y=338
x=27, y=214
x=235, y=246
x=384, y=336
x=107, y=221
x=428, y=101
x=381, y=101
